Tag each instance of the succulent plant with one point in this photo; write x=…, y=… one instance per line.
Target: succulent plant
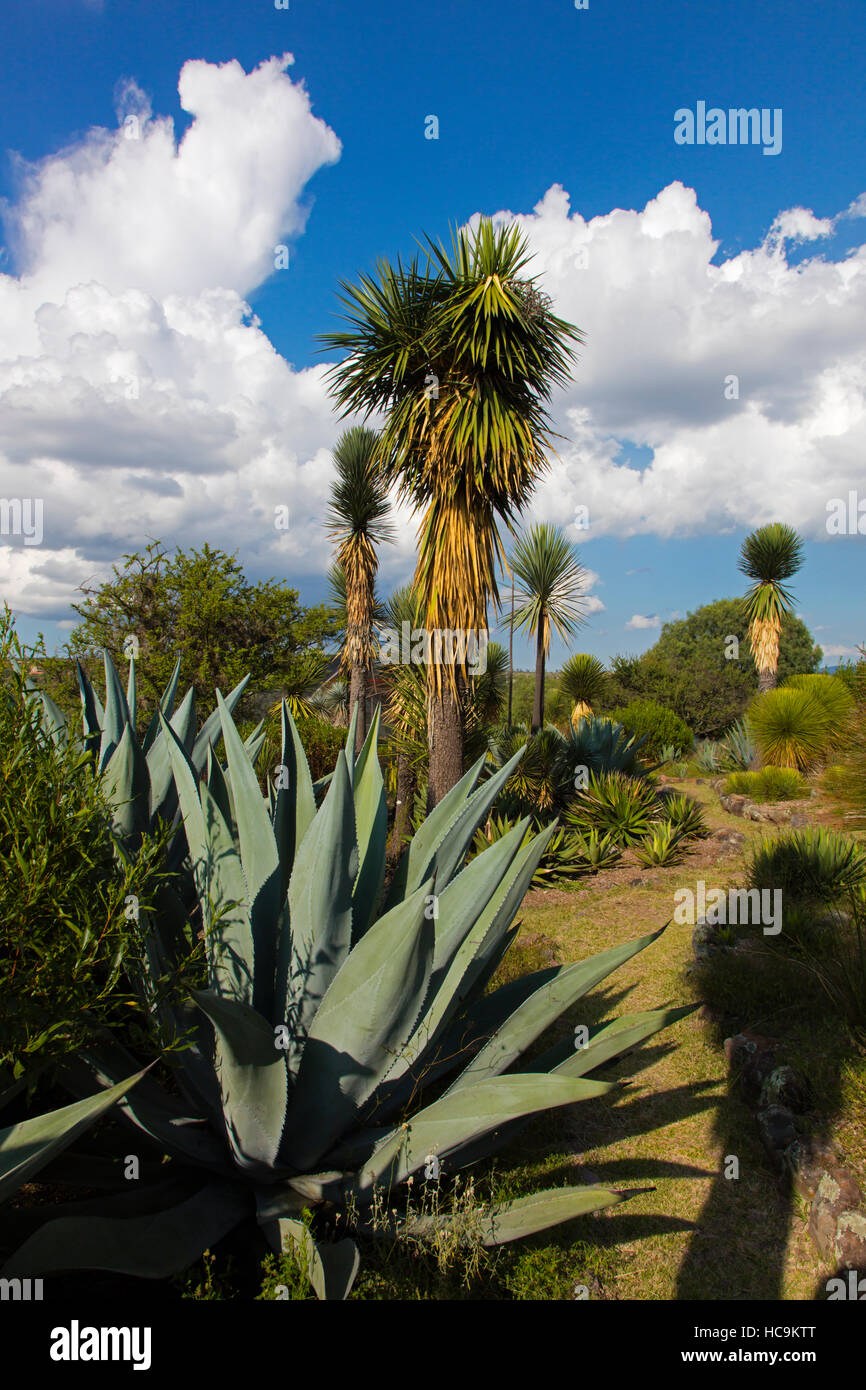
x=332, y=1005
x=602, y=745
x=137, y=774
x=32, y=1144
x=612, y=804
x=567, y=856
x=685, y=816
x=662, y=846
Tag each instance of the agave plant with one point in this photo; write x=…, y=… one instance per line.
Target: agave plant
x=622, y=807
x=567, y=856
x=331, y=1005
x=136, y=774
x=661, y=847
x=601, y=745
x=30, y=1145
x=707, y=756
x=598, y=851
x=685, y=816
x=737, y=749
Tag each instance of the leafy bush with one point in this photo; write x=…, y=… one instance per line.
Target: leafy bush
x=791, y=727
x=691, y=668
x=813, y=865
x=65, y=891
x=768, y=784
x=659, y=724
x=615, y=805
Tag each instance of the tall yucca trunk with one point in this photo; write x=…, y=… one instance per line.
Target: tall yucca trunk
x=457, y=557
x=357, y=653
x=407, y=784
x=538, y=702
x=581, y=711
x=446, y=724
x=764, y=640
x=358, y=696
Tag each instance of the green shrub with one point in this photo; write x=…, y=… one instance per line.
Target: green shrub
x=615, y=805
x=768, y=784
x=813, y=865
x=567, y=856
x=685, y=816
x=322, y=743
x=833, y=695
x=662, y=846
x=791, y=727
x=66, y=946
x=660, y=725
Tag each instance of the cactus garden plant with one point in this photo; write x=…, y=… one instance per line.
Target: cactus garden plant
x=343, y=1035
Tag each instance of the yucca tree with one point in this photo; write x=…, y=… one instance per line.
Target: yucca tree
x=768, y=557
x=405, y=714
x=460, y=350
x=583, y=679
x=358, y=522
x=550, y=584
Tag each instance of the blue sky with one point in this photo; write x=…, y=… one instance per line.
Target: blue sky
x=529, y=99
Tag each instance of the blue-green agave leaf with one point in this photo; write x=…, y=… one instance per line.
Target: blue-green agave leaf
x=320, y=911
x=253, y=1079
x=366, y=1016
x=29, y=1145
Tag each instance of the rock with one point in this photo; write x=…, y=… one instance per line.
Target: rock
x=798, y=820
x=849, y=1246
x=735, y=805
x=807, y=1160
x=636, y=882
x=705, y=941
x=753, y=1057
x=787, y=1087
x=778, y=1129
x=837, y=1193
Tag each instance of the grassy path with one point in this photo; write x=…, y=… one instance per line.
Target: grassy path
x=698, y=1235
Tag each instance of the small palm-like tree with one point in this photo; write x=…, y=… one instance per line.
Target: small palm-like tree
x=405, y=715
x=550, y=584
x=583, y=679
x=461, y=352
x=358, y=522
x=769, y=556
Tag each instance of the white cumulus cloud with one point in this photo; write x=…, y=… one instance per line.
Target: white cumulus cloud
x=640, y=621
x=744, y=381
x=139, y=395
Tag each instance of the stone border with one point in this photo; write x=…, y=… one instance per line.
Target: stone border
x=781, y=1097
x=777, y=812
